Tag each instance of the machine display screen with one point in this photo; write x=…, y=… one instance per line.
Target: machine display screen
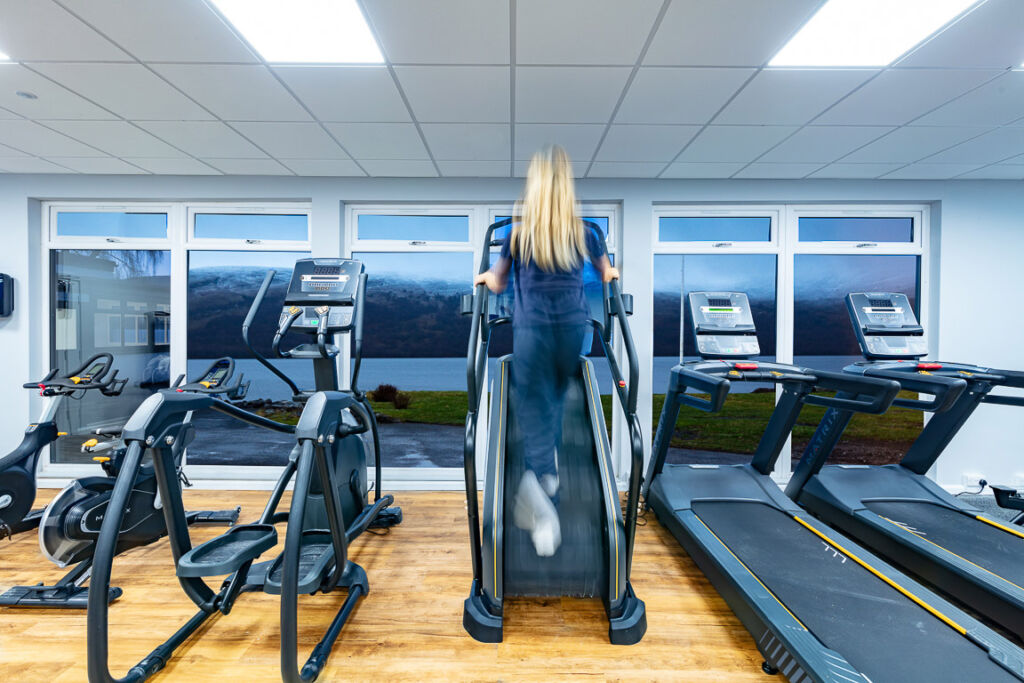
x=326, y=270
x=94, y=370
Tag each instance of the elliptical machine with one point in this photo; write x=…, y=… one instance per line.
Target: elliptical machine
x=18, y=468
x=329, y=507
x=70, y=523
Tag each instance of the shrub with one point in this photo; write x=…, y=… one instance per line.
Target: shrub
x=402, y=400
x=384, y=393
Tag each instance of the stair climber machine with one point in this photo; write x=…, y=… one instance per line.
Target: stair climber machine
x=328, y=464
x=819, y=607
x=597, y=544
x=70, y=524
x=896, y=509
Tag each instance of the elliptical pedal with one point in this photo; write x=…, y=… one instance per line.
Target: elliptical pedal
x=226, y=553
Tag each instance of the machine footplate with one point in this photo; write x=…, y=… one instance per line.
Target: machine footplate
x=229, y=551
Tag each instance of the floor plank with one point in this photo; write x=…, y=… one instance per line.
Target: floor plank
x=408, y=629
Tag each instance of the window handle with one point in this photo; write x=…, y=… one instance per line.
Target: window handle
x=250, y=241
x=113, y=239
x=722, y=244
x=866, y=245
x=417, y=243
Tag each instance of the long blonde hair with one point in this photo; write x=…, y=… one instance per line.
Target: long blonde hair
x=550, y=232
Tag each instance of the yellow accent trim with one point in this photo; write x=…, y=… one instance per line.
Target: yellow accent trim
x=62, y=433
x=1000, y=526
x=90, y=443
x=766, y=588
x=206, y=383
x=75, y=379
x=293, y=310
x=913, y=598
x=612, y=493
x=497, y=471
x=101, y=458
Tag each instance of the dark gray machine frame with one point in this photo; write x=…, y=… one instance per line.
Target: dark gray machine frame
x=896, y=509
x=329, y=508
x=597, y=547
x=820, y=608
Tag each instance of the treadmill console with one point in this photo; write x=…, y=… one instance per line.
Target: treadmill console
x=323, y=282
x=723, y=325
x=886, y=326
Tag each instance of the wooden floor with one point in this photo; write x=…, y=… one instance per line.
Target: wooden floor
x=409, y=628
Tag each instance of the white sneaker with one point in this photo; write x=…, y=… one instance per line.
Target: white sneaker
x=549, y=482
x=534, y=512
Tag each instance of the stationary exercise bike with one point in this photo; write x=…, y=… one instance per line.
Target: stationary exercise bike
x=18, y=468
x=70, y=524
x=329, y=506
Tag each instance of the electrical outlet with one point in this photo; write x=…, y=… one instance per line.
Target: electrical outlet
x=970, y=480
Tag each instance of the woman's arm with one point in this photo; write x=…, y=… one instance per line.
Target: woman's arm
x=606, y=269
x=496, y=278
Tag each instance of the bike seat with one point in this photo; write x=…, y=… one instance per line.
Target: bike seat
x=226, y=553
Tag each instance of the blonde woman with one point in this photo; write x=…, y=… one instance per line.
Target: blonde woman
x=546, y=251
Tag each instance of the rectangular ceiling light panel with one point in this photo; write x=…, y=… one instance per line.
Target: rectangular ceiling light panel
x=304, y=31
x=866, y=32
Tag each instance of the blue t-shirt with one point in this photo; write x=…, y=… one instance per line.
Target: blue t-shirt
x=556, y=298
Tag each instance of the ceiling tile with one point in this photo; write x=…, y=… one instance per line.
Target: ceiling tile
x=734, y=143
x=380, y=140
x=248, y=166
x=760, y=170
x=129, y=90
x=441, y=32
x=726, y=32
x=284, y=140
x=929, y=171
x=98, y=165
x=439, y=94
x=210, y=139
x=54, y=101
x=990, y=36
x=700, y=170
x=475, y=169
x=161, y=31
x=790, y=96
x=998, y=145
x=235, y=92
x=567, y=94
x=994, y=172
x=6, y=114
x=644, y=143
x=324, y=167
x=184, y=166
x=30, y=165
x=670, y=95
x=854, y=170
x=117, y=138
x=328, y=91
x=996, y=103
x=583, y=31
x=579, y=140
x=28, y=136
x=912, y=143
x=624, y=169
x=900, y=95
x=469, y=141
x=823, y=143
x=9, y=152
x=399, y=168
x=41, y=29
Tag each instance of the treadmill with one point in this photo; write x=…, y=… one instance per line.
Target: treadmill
x=896, y=509
x=819, y=606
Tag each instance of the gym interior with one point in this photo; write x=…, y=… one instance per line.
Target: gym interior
x=259, y=423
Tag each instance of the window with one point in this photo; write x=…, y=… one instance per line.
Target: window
x=413, y=228
x=715, y=228
x=113, y=224
x=860, y=229
x=252, y=226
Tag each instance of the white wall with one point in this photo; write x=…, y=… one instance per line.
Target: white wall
x=978, y=239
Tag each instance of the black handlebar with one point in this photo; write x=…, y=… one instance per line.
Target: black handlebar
x=71, y=382
x=253, y=309
x=879, y=392
x=946, y=390
x=716, y=386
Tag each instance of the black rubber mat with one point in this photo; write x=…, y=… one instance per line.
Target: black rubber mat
x=878, y=630
x=579, y=567
x=999, y=552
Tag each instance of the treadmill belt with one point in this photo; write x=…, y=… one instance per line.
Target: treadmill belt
x=987, y=546
x=579, y=566
x=878, y=630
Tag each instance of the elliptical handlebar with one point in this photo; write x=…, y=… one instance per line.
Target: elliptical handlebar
x=253, y=309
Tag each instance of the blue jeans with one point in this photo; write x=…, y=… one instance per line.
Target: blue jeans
x=544, y=359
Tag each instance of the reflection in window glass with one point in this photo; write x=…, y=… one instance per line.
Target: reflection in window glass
x=111, y=224
x=824, y=339
x=253, y=226
x=413, y=228
x=714, y=228
x=414, y=339
x=107, y=301
x=221, y=287
x=856, y=229
x=730, y=436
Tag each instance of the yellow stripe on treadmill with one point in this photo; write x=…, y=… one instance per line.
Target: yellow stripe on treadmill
x=947, y=550
x=916, y=600
x=612, y=493
x=497, y=476
x=999, y=526
x=766, y=588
